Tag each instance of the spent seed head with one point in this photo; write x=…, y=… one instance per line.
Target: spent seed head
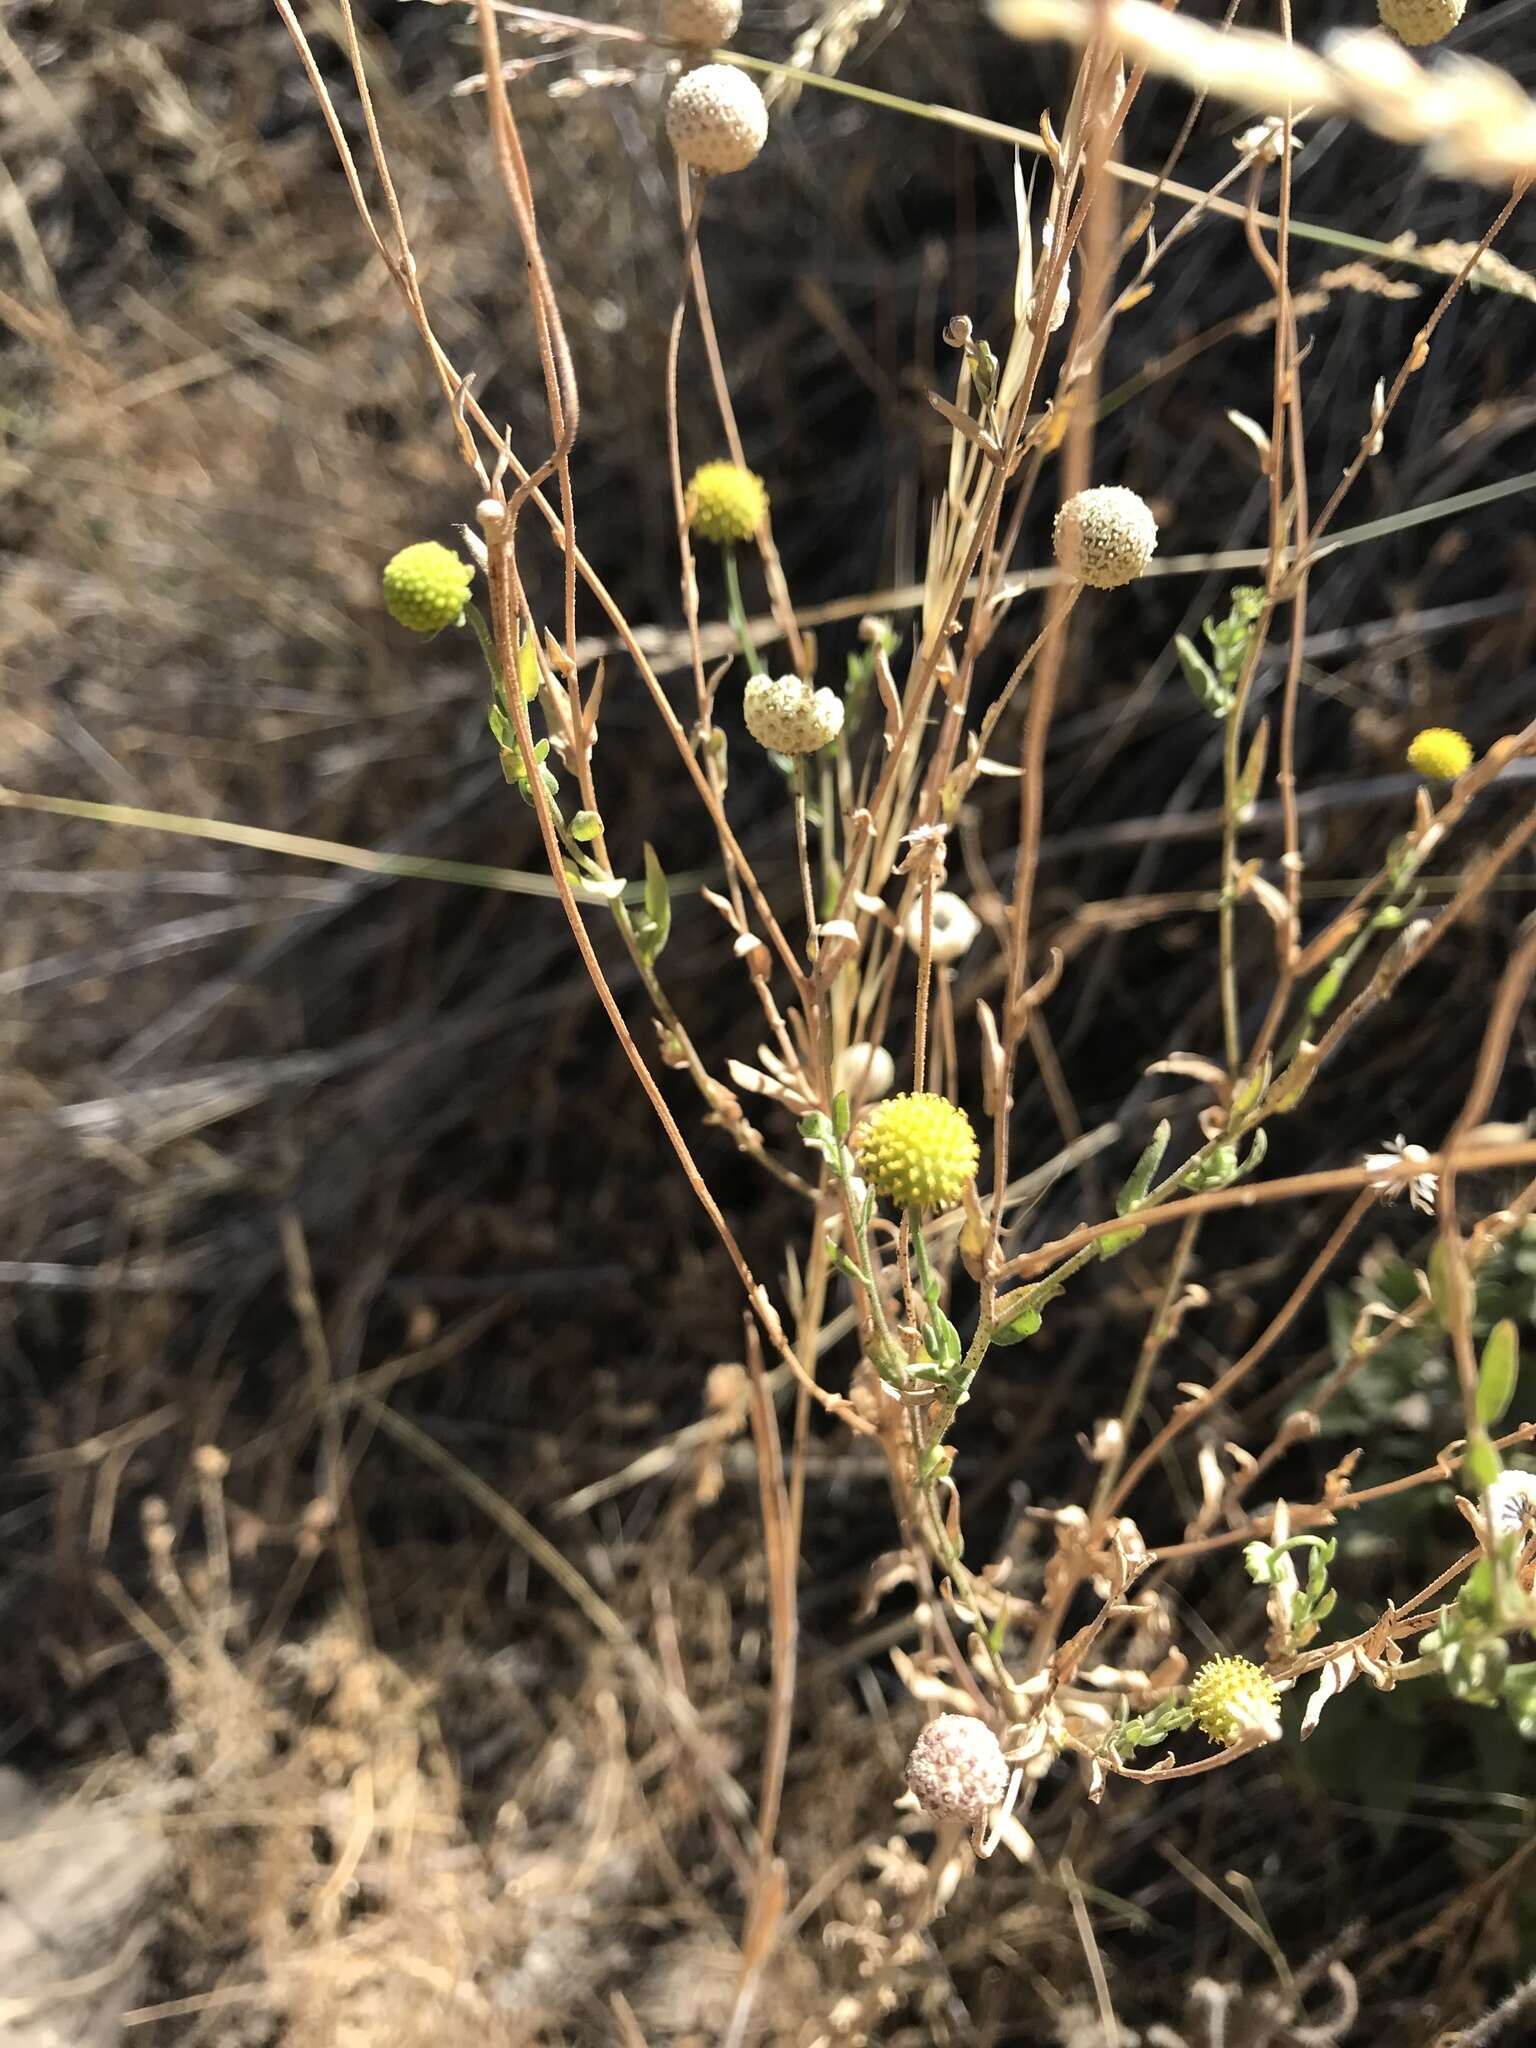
x=957, y=1770
x=1105, y=536
x=717, y=120
x=786, y=714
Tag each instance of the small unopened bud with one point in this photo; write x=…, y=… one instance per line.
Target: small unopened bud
x=1108, y=1439
x=1294, y=1082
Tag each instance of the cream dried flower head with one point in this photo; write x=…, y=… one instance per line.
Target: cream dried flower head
x=957, y=1770
x=706, y=22
x=1105, y=536
x=1421, y=21
x=717, y=120
x=786, y=714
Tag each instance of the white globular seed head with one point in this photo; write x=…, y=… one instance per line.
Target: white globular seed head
x=1105, y=536
x=954, y=926
x=1421, y=21
x=788, y=715
x=864, y=1070
x=957, y=1770
x=716, y=118
x=701, y=21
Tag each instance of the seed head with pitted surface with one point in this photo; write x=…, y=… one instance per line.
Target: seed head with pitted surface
x=957, y=1770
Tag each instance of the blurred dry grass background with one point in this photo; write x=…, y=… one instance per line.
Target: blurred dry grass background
x=281, y=1143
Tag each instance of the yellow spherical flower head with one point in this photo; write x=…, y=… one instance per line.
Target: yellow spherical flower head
x=726, y=503
x=426, y=586
x=1233, y=1701
x=919, y=1151
x=1438, y=754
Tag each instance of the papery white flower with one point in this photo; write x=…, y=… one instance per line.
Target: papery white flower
x=1422, y=1187
x=954, y=926
x=922, y=837
x=1511, y=1501
x=1265, y=140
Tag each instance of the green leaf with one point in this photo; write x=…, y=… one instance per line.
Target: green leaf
x=1202, y=678
x=528, y=667
x=932, y=1461
x=1482, y=1464
x=1018, y=1327
x=653, y=928
x=1218, y=1170
x=1473, y=1606
x=818, y=1133
x=942, y=1339
x=840, y=1117
x=1230, y=640
x=1117, y=1241
x=1135, y=1190
x=1498, y=1373
x=1252, y=775
x=1256, y=1152
x=1295, y=1081
x=1147, y=1729
x=1475, y=1669
x=586, y=826
x=1519, y=1694
x=840, y=1259
x=1249, y=1092
x=1324, y=992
